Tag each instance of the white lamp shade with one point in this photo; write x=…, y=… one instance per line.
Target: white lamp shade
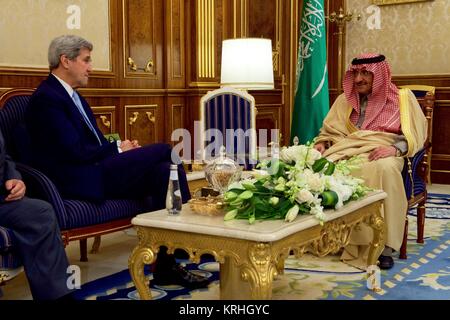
x=247, y=63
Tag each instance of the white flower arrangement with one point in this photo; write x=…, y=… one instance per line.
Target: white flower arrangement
x=299, y=181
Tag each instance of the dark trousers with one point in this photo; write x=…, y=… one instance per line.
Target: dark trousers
x=142, y=172
x=38, y=241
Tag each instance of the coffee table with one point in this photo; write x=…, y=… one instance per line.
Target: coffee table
x=250, y=256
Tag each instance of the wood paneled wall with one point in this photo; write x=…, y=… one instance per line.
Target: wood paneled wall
x=165, y=55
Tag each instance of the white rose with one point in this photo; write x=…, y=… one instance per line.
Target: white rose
x=274, y=201
x=294, y=153
x=304, y=196
x=313, y=155
x=292, y=213
x=315, y=183
x=287, y=155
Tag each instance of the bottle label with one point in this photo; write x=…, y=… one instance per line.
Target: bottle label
x=173, y=175
x=177, y=193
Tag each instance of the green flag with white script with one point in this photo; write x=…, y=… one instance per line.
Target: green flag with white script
x=311, y=97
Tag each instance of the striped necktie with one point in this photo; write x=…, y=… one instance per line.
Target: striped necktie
x=77, y=101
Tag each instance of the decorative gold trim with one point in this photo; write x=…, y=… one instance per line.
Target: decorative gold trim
x=133, y=66
x=105, y=121
x=234, y=18
x=417, y=76
x=134, y=118
x=105, y=108
x=242, y=83
x=244, y=15
x=131, y=120
x=405, y=119
x=205, y=39
x=389, y=2
x=99, y=111
x=200, y=84
x=441, y=156
x=150, y=116
x=441, y=171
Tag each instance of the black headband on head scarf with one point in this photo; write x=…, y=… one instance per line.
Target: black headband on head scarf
x=357, y=61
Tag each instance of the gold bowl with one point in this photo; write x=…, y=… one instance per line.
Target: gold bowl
x=207, y=206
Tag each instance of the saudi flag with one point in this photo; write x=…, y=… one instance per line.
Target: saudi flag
x=311, y=97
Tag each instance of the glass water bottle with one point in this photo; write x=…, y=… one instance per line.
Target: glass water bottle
x=173, y=198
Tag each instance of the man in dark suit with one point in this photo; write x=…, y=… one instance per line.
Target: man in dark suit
x=68, y=146
x=36, y=232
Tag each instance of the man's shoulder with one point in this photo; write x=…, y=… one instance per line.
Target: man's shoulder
x=47, y=90
x=341, y=99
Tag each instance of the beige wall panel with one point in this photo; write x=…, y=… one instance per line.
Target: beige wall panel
x=28, y=26
x=414, y=37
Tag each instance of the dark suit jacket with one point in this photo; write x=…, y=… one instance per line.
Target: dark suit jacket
x=7, y=169
x=63, y=146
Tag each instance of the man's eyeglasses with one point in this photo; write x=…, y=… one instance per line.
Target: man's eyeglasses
x=363, y=73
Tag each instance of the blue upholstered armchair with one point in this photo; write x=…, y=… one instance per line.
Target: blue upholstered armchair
x=78, y=220
x=416, y=170
x=223, y=109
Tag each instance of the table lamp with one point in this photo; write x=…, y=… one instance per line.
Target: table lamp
x=247, y=64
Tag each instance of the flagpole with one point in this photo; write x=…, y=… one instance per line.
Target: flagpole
x=340, y=19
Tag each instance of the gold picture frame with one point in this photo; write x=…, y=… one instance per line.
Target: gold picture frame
x=386, y=2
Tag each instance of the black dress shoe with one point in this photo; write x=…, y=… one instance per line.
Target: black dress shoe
x=386, y=262
x=179, y=276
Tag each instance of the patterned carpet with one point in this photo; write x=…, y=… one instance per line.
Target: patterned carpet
x=425, y=275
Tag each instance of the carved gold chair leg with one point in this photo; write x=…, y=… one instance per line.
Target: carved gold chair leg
x=96, y=245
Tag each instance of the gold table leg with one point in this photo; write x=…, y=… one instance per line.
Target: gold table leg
x=139, y=257
x=376, y=222
x=253, y=278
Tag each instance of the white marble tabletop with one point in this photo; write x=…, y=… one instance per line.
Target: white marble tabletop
x=260, y=231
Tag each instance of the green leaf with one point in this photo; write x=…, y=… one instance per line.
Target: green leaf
x=229, y=196
x=248, y=185
x=236, y=202
x=230, y=215
x=319, y=164
x=329, y=198
x=330, y=169
x=246, y=195
x=235, y=185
